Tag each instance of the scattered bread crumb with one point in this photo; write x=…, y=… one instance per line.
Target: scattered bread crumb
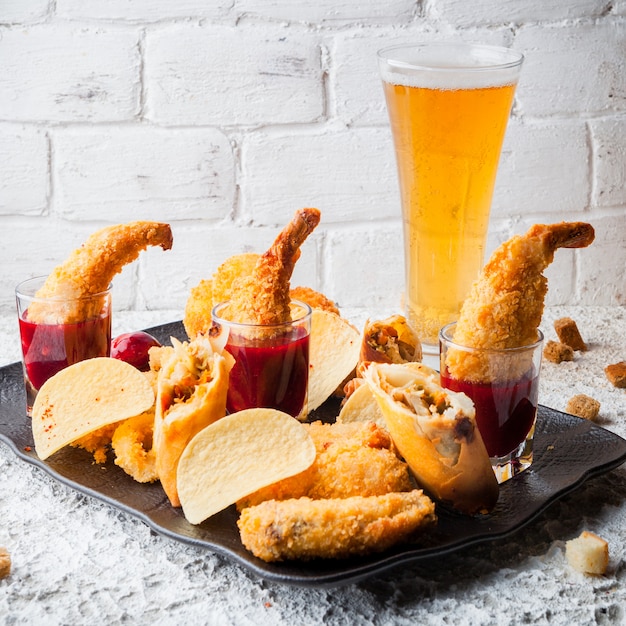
x=583, y=406
x=616, y=374
x=569, y=334
x=588, y=553
x=556, y=352
x=5, y=563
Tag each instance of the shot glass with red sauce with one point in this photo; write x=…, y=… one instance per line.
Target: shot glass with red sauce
x=51, y=345
x=505, y=390
x=271, y=361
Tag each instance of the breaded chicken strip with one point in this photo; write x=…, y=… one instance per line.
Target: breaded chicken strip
x=352, y=459
x=334, y=528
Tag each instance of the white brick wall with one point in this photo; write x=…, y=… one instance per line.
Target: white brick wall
x=223, y=117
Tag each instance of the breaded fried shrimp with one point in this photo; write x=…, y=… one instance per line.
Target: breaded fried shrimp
x=89, y=269
x=263, y=297
x=505, y=304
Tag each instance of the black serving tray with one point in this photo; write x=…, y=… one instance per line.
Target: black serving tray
x=567, y=452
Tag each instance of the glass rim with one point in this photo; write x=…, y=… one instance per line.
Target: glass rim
x=218, y=319
x=515, y=58
x=21, y=293
x=443, y=337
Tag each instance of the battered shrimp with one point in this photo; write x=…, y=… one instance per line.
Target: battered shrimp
x=89, y=269
x=505, y=305
x=263, y=297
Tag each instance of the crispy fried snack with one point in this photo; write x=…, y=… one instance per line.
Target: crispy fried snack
x=391, y=340
x=132, y=444
x=212, y=291
x=435, y=431
x=97, y=442
x=314, y=299
x=89, y=269
x=191, y=393
x=334, y=528
x=505, y=305
x=352, y=459
x=263, y=297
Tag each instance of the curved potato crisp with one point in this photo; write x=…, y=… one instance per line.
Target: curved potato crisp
x=84, y=397
x=334, y=347
x=362, y=406
x=238, y=455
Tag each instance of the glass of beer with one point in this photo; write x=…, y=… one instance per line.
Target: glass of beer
x=448, y=106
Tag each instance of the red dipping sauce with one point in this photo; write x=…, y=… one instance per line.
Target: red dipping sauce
x=505, y=412
x=269, y=373
x=48, y=348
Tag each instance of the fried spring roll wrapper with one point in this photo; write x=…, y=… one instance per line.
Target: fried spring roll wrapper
x=191, y=394
x=435, y=430
x=391, y=340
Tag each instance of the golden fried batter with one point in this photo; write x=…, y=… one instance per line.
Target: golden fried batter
x=356, y=458
x=334, y=528
x=314, y=299
x=132, y=444
x=505, y=305
x=263, y=297
x=89, y=269
x=97, y=442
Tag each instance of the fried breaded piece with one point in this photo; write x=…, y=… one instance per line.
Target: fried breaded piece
x=89, y=269
x=352, y=459
x=334, y=528
x=210, y=292
x=505, y=305
x=132, y=444
x=314, y=299
x=264, y=296
x=97, y=442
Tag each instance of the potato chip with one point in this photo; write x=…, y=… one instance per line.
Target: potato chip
x=84, y=397
x=361, y=406
x=333, y=353
x=238, y=455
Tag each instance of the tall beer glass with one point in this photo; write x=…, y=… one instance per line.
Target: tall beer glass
x=448, y=106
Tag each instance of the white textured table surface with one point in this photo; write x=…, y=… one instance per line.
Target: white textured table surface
x=79, y=561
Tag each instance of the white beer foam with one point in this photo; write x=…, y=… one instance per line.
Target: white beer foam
x=450, y=68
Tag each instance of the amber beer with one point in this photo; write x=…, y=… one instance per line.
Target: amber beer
x=448, y=107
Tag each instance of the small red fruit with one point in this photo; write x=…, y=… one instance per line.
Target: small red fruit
x=133, y=348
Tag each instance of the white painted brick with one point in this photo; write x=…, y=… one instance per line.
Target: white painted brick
x=609, y=155
x=365, y=267
x=21, y=11
x=143, y=172
x=66, y=72
x=354, y=75
x=463, y=13
x=23, y=170
x=574, y=69
x=544, y=169
x=350, y=175
x=325, y=11
x=142, y=10
x=233, y=75
x=602, y=266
